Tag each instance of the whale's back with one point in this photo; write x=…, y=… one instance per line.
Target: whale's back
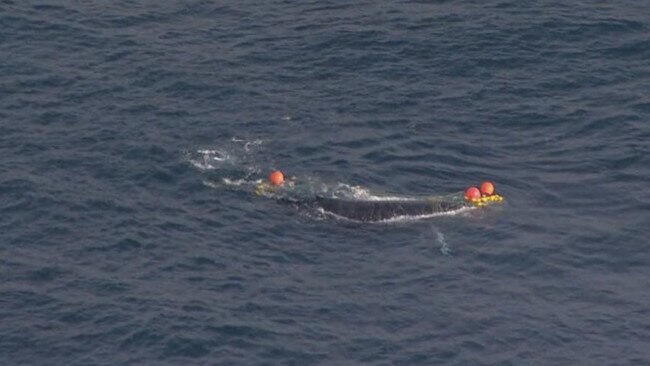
x=382, y=210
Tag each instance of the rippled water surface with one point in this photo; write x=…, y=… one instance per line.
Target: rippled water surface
x=132, y=134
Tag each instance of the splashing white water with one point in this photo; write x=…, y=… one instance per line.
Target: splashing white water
x=234, y=157
x=208, y=159
x=248, y=145
x=240, y=182
x=343, y=190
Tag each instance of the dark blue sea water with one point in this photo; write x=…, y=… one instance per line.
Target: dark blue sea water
x=130, y=133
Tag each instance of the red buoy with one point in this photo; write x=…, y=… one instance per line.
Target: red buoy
x=487, y=188
x=472, y=193
x=276, y=178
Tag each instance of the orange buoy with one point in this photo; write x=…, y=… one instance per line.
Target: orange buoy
x=472, y=193
x=276, y=178
x=487, y=188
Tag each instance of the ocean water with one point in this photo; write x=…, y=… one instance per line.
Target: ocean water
x=132, y=132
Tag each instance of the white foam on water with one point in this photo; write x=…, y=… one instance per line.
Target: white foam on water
x=231, y=163
x=407, y=218
x=362, y=194
x=248, y=145
x=208, y=159
x=210, y=184
x=240, y=182
x=217, y=155
x=445, y=249
x=401, y=218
